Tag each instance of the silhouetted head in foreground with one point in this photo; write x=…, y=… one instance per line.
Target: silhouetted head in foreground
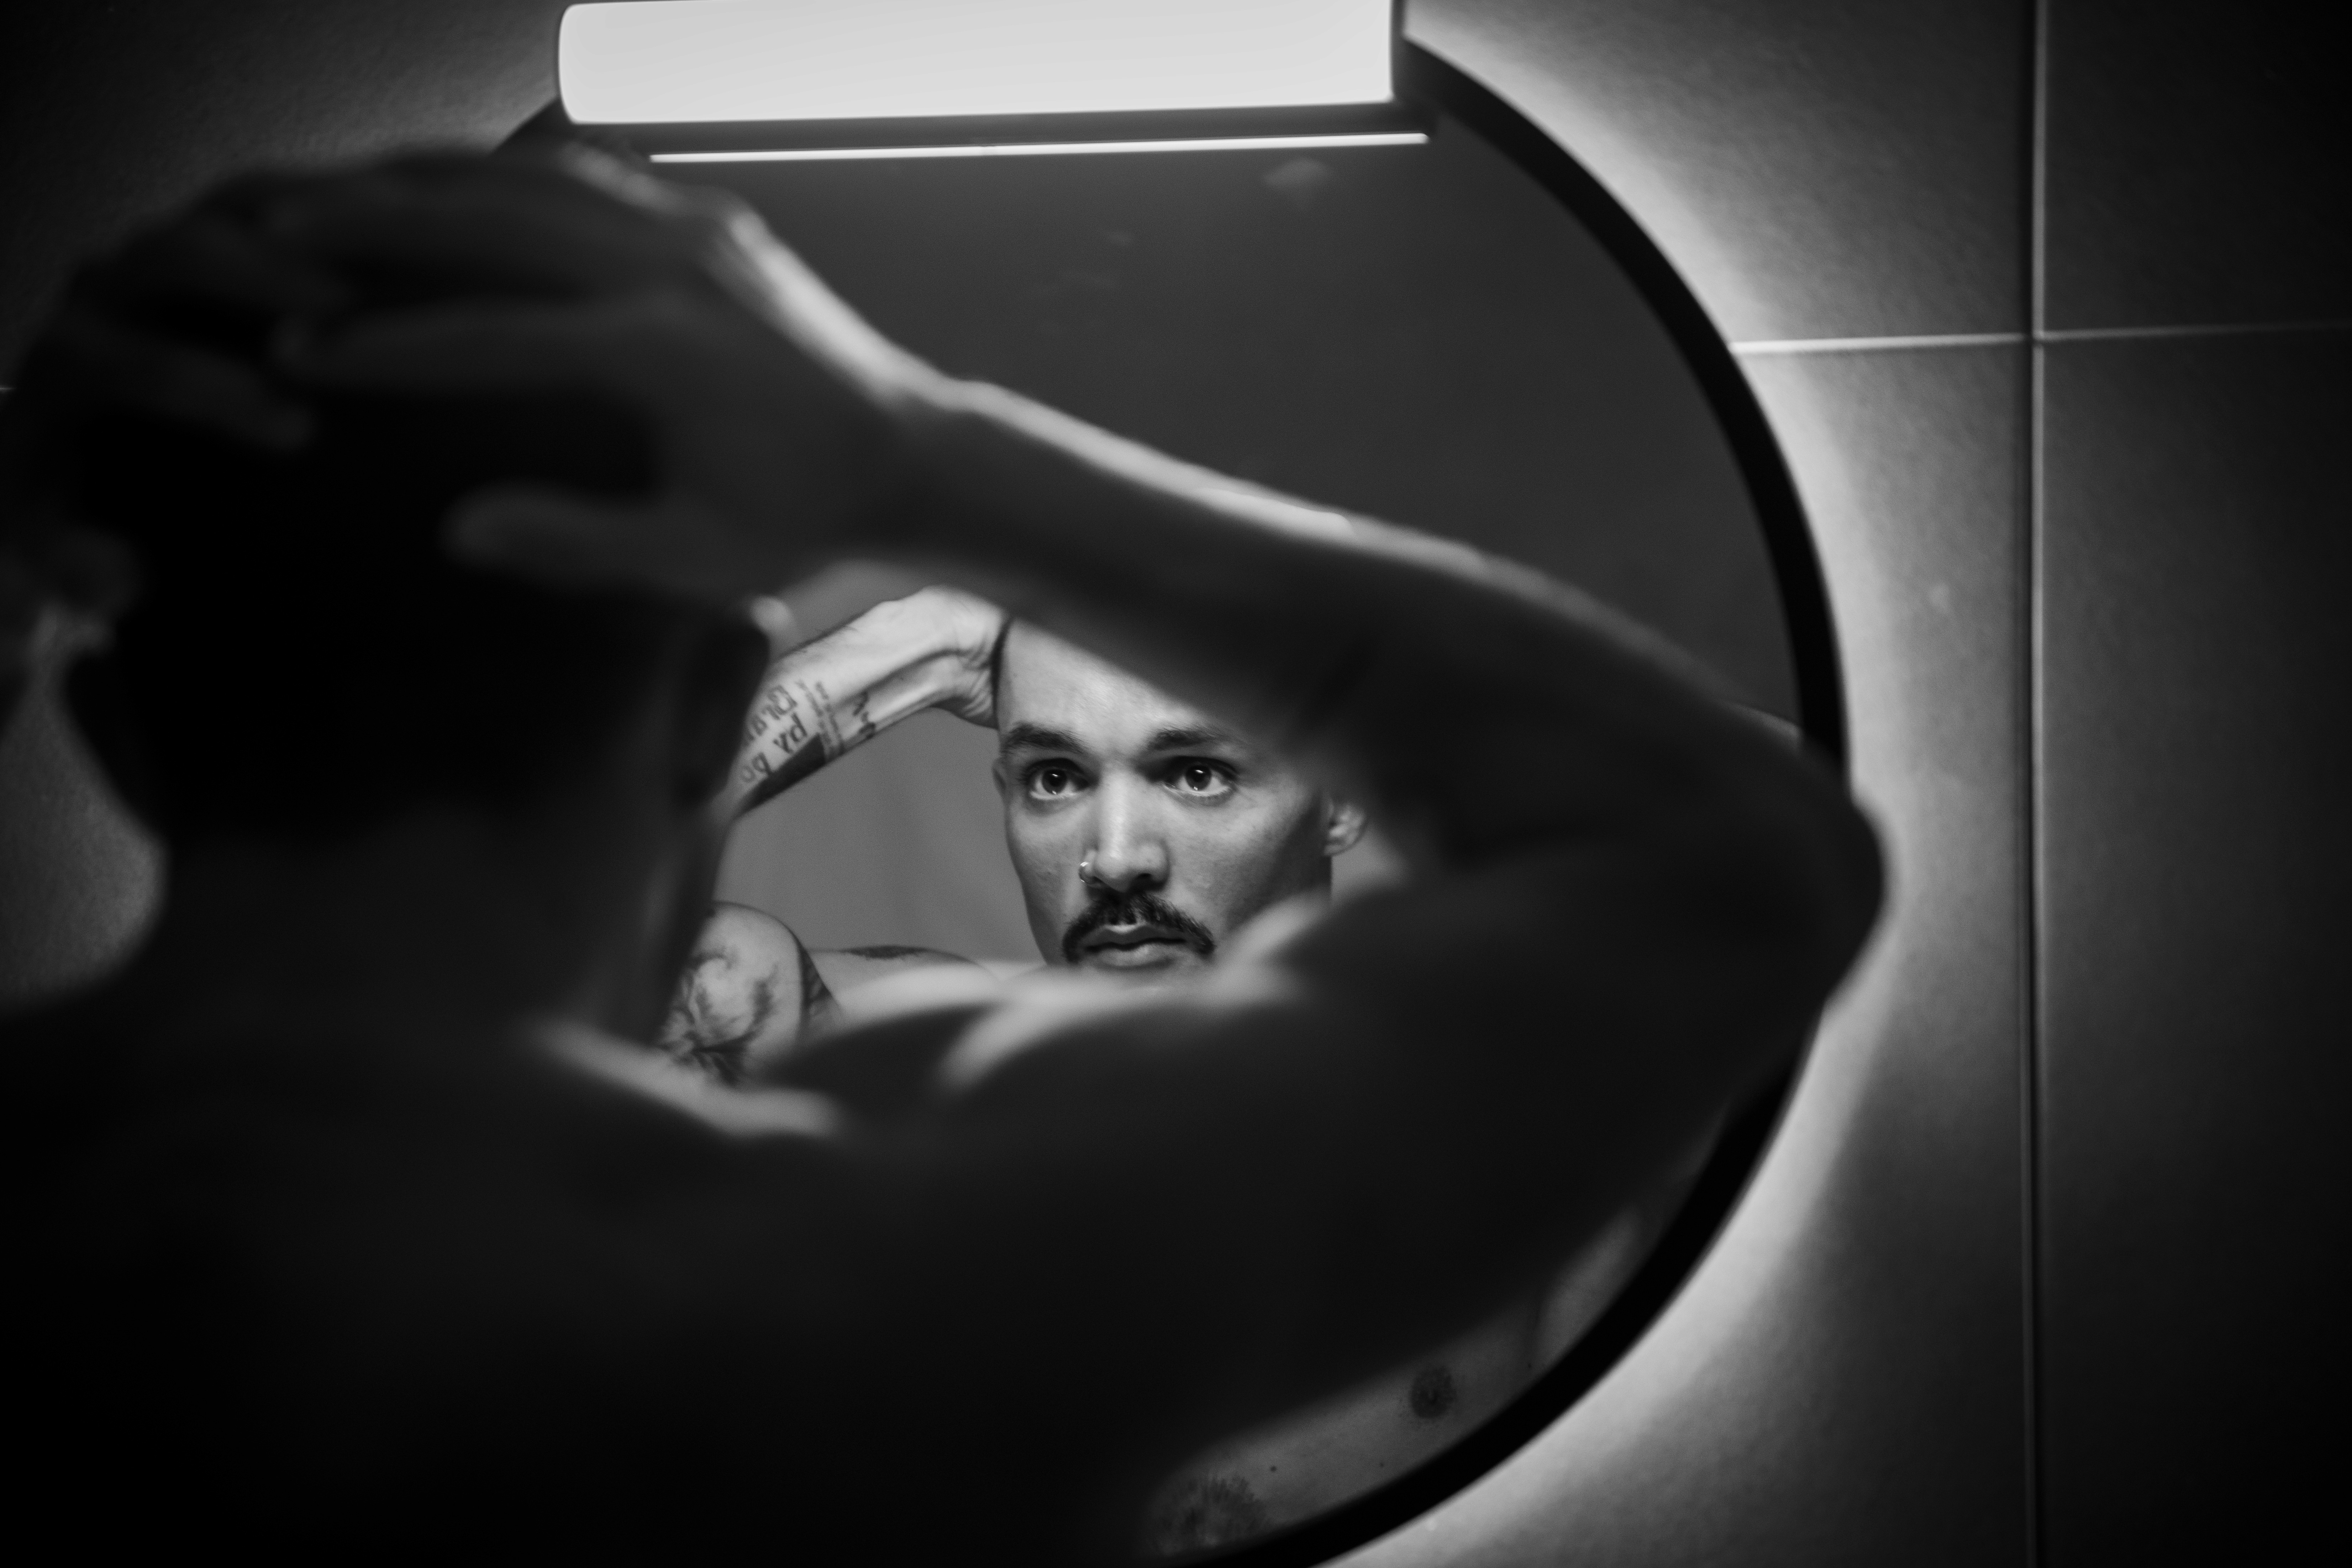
x=304, y=664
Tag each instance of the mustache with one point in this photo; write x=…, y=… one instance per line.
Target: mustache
x=1136, y=909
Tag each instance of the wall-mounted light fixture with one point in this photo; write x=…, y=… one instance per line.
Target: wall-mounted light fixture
x=748, y=80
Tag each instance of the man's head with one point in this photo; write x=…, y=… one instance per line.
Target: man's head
x=1144, y=832
x=303, y=664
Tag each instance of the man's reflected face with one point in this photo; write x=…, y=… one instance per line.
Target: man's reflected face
x=1144, y=832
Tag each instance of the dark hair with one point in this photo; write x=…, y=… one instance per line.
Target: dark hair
x=304, y=658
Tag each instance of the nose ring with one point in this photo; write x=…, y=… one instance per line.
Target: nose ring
x=1086, y=867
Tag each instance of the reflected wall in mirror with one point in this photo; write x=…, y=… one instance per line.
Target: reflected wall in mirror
x=1423, y=334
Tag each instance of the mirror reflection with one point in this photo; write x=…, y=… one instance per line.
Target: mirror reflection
x=1202, y=974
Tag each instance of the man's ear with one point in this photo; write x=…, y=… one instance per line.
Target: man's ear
x=718, y=676
x=1342, y=826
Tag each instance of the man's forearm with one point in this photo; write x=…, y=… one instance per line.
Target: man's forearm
x=1477, y=706
x=825, y=698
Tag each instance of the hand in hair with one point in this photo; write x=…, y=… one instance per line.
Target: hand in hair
x=780, y=411
x=112, y=343
x=117, y=337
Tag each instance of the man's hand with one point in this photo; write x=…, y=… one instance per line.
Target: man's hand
x=779, y=411
x=967, y=631
x=127, y=335
x=112, y=344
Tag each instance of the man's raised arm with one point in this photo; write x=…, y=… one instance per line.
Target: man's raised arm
x=934, y=648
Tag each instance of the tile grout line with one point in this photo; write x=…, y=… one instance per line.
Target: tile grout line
x=2217, y=329
x=2032, y=725
x=1770, y=347
x=1763, y=348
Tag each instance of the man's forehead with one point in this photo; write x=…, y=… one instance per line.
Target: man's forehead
x=1048, y=684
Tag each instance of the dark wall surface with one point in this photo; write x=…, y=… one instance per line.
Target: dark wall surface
x=2196, y=564
x=113, y=109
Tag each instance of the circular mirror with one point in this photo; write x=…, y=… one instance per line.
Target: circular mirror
x=1465, y=337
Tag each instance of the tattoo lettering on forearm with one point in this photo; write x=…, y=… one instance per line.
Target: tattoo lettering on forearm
x=827, y=698
x=784, y=711
x=792, y=732
x=762, y=780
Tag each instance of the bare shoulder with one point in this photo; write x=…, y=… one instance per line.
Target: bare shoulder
x=748, y=994
x=845, y=969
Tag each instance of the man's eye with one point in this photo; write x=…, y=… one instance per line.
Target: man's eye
x=1202, y=781
x=1051, y=780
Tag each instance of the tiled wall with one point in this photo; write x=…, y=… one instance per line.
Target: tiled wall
x=2048, y=305
x=2195, y=562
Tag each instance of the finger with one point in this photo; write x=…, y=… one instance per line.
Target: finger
x=558, y=236
x=606, y=347
x=635, y=183
x=567, y=168
x=101, y=361
x=572, y=540
x=207, y=258
x=776, y=622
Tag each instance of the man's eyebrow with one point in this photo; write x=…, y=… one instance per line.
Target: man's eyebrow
x=1192, y=737
x=1037, y=737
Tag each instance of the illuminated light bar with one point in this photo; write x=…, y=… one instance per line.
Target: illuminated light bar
x=1030, y=149
x=686, y=80
x=682, y=61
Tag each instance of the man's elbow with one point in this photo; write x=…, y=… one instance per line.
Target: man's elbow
x=1817, y=881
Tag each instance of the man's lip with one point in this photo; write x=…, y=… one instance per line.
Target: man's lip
x=1127, y=936
x=1143, y=955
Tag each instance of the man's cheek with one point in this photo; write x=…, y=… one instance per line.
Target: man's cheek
x=1203, y=885
x=1235, y=874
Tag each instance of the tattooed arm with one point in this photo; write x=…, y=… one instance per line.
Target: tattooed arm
x=934, y=648
x=753, y=993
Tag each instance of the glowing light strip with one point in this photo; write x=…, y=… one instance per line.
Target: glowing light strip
x=703, y=61
x=1030, y=149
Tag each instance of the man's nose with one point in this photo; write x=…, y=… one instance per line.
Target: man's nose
x=1128, y=854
